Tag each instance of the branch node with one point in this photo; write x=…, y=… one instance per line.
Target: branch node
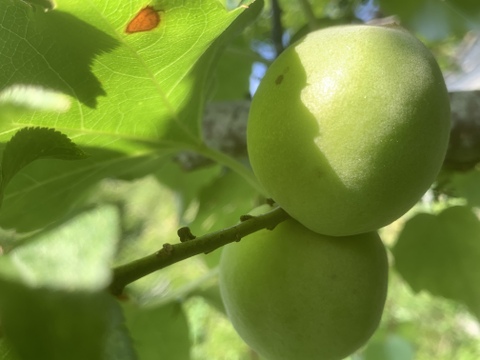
x=246, y=217
x=170, y=254
x=185, y=234
x=167, y=249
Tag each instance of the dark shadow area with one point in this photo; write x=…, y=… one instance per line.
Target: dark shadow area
x=56, y=323
x=51, y=49
x=286, y=147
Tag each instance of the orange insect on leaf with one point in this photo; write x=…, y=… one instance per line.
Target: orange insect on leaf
x=147, y=19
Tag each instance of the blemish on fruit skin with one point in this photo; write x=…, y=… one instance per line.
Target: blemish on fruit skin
x=147, y=19
x=279, y=79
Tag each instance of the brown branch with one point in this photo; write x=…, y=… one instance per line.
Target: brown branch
x=171, y=254
x=277, y=27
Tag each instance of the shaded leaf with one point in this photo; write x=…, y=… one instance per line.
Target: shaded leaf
x=186, y=184
x=439, y=254
x=30, y=144
x=6, y=352
x=56, y=325
x=44, y=4
x=467, y=186
x=119, y=345
x=46, y=191
x=159, y=332
x=233, y=71
x=221, y=204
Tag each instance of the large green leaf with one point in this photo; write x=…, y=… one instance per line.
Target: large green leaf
x=439, y=254
x=145, y=87
x=52, y=299
x=133, y=96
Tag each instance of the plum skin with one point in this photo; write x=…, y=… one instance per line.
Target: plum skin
x=349, y=127
x=294, y=294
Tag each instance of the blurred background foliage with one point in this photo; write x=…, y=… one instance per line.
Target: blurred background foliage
x=181, y=304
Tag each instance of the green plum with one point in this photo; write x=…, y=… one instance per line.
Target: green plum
x=293, y=294
x=349, y=127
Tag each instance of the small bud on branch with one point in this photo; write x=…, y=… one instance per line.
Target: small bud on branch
x=171, y=254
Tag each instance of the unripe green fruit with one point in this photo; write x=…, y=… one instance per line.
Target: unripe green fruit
x=349, y=127
x=293, y=294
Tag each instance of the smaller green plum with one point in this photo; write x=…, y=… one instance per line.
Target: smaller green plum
x=293, y=294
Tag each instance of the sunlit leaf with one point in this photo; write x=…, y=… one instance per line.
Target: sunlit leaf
x=133, y=95
x=76, y=255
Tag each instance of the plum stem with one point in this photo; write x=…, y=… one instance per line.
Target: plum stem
x=170, y=254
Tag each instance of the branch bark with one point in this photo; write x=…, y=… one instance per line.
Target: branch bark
x=277, y=27
x=171, y=254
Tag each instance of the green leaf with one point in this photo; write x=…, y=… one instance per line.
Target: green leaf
x=74, y=256
x=53, y=296
x=221, y=204
x=466, y=186
x=186, y=184
x=119, y=344
x=212, y=296
x=115, y=78
x=233, y=71
x=44, y=4
x=30, y=144
x=48, y=190
x=43, y=324
x=439, y=254
x=134, y=97
x=434, y=19
x=6, y=352
x=159, y=332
